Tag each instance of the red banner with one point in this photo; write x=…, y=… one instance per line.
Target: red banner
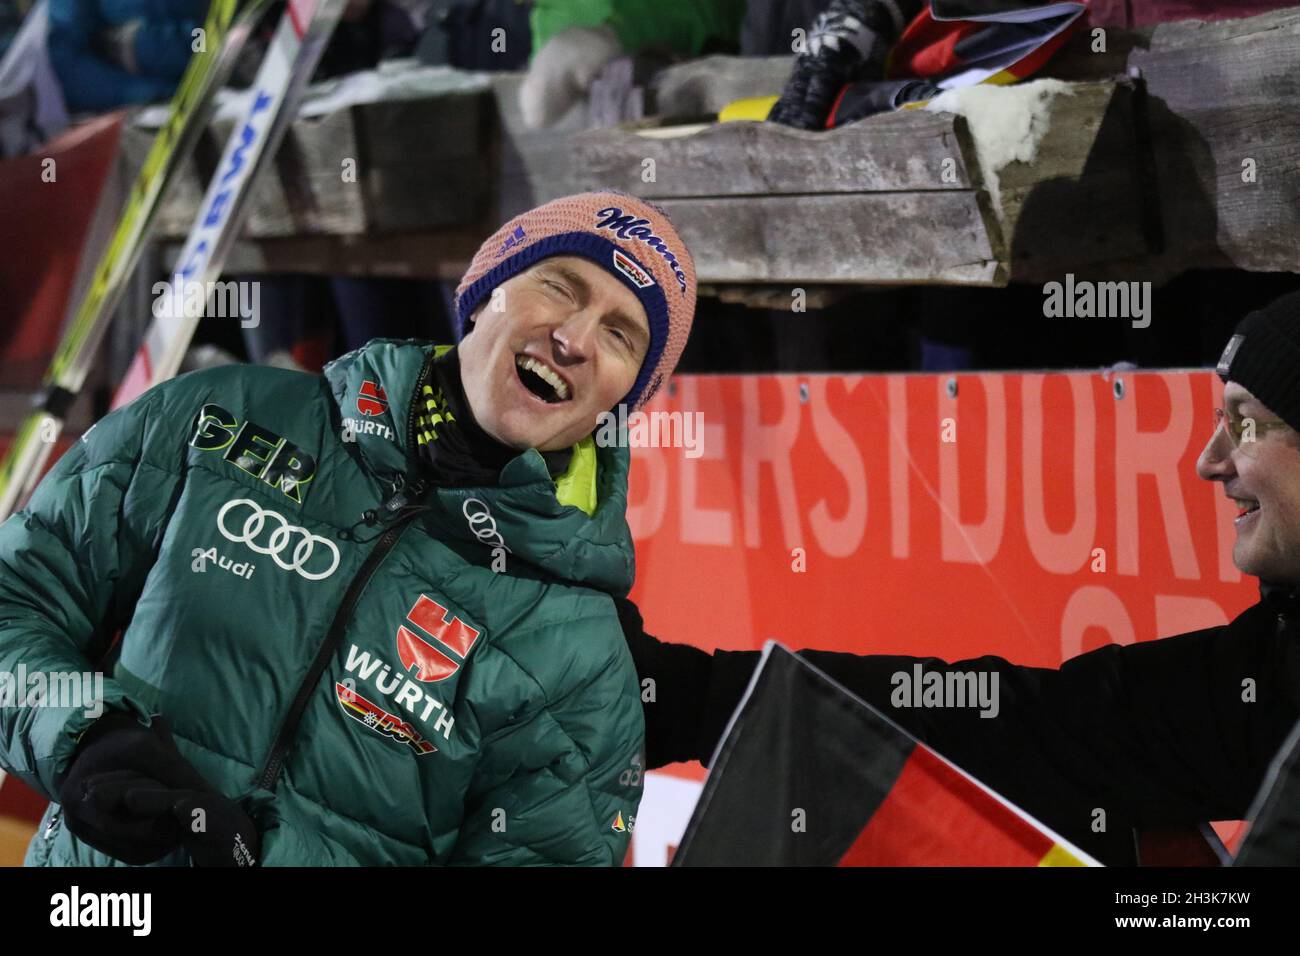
x=49, y=199
x=1033, y=516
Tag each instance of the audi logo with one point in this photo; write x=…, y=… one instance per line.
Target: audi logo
x=482, y=523
x=280, y=538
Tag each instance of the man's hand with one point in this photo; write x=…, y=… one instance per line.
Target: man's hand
x=131, y=794
x=116, y=748
x=95, y=814
x=214, y=829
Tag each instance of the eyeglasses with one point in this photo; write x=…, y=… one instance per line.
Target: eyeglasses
x=1246, y=429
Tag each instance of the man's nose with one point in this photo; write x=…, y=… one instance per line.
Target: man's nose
x=1215, y=461
x=576, y=335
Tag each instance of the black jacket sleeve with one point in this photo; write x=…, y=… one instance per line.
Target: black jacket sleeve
x=1159, y=733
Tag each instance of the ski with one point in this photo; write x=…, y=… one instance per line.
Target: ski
x=224, y=37
x=290, y=61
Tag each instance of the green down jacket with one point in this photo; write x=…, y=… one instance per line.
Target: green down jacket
x=468, y=715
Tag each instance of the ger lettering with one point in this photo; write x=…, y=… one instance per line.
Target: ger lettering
x=254, y=449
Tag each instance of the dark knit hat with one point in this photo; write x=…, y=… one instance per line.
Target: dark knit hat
x=1263, y=356
x=630, y=238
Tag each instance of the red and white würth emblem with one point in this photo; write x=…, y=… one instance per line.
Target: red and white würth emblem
x=427, y=660
x=372, y=400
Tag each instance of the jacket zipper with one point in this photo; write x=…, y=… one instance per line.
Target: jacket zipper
x=415, y=402
x=334, y=636
x=399, y=499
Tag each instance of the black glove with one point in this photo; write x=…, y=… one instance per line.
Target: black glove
x=214, y=829
x=115, y=748
x=842, y=45
x=848, y=41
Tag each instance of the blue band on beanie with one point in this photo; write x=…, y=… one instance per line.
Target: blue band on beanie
x=599, y=250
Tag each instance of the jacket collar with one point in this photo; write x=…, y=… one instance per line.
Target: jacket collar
x=1281, y=598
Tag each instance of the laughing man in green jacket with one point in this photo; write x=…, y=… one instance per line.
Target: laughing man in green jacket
x=366, y=618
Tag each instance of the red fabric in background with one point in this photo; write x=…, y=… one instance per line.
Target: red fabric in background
x=20, y=802
x=45, y=225
x=1145, y=13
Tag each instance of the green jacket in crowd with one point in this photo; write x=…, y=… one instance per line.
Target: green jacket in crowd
x=680, y=26
x=481, y=706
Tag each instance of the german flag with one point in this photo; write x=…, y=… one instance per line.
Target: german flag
x=963, y=42
x=1274, y=836
x=809, y=775
x=956, y=43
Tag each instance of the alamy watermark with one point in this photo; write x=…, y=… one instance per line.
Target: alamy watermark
x=946, y=689
x=1098, y=300
x=623, y=429
x=132, y=911
x=190, y=299
x=25, y=688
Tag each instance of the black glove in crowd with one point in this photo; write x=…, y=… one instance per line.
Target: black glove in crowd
x=848, y=42
x=131, y=794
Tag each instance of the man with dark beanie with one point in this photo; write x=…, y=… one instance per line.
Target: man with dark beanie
x=1153, y=736
x=367, y=618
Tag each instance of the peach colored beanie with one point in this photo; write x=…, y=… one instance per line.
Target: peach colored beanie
x=629, y=237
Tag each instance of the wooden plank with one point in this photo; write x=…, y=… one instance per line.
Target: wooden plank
x=1216, y=94
x=302, y=191
x=866, y=238
x=1220, y=94
x=442, y=255
x=1081, y=204
x=423, y=163
x=908, y=151
x=418, y=165
x=532, y=166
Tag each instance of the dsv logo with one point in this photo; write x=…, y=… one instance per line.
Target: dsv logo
x=284, y=532
x=482, y=523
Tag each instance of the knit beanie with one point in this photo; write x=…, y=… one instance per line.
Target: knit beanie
x=631, y=239
x=1263, y=356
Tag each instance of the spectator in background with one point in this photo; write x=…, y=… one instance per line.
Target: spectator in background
x=573, y=40
x=487, y=35
x=112, y=54
x=369, y=31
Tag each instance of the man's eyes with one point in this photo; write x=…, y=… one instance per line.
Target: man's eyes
x=624, y=339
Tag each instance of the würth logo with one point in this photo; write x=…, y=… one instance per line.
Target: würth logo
x=428, y=661
x=372, y=400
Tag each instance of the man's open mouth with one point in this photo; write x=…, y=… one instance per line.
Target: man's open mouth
x=542, y=380
x=1245, y=507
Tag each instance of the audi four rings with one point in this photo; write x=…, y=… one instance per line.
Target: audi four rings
x=280, y=538
x=482, y=523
